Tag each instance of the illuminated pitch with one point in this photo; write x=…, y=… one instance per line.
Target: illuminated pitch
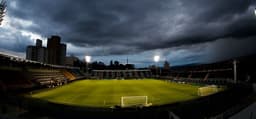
x=123, y=93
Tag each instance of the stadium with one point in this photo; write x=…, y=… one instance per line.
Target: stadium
x=208, y=81
x=66, y=92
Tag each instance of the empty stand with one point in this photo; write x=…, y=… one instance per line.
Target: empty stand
x=48, y=78
x=121, y=74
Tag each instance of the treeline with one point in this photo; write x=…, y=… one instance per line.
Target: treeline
x=98, y=65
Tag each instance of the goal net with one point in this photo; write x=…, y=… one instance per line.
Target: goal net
x=207, y=90
x=130, y=101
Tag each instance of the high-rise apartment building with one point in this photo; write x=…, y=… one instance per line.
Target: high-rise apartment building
x=37, y=53
x=56, y=51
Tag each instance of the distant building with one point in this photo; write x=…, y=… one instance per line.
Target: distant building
x=52, y=45
x=31, y=53
x=37, y=53
x=39, y=43
x=63, y=50
x=70, y=60
x=56, y=51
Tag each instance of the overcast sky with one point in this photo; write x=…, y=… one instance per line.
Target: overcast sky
x=180, y=31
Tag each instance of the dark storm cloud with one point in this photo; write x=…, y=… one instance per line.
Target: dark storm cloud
x=14, y=42
x=107, y=22
x=115, y=27
x=209, y=11
x=224, y=48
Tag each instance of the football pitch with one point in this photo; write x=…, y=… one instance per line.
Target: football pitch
x=107, y=93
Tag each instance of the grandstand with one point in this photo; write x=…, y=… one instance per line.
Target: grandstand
x=74, y=73
x=48, y=78
x=217, y=73
x=220, y=73
x=53, y=77
x=121, y=74
x=14, y=79
x=27, y=74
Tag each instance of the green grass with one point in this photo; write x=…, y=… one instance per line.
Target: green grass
x=106, y=93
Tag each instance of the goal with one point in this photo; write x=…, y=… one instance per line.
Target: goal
x=207, y=90
x=134, y=101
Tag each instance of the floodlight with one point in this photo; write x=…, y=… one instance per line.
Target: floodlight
x=255, y=11
x=88, y=59
x=156, y=58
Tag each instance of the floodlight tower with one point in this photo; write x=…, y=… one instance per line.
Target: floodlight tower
x=87, y=61
x=255, y=11
x=235, y=71
x=2, y=10
x=156, y=59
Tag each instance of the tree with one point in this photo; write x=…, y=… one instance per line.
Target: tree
x=166, y=69
x=2, y=10
x=111, y=63
x=116, y=63
x=166, y=65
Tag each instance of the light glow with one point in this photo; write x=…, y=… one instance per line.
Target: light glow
x=156, y=58
x=255, y=11
x=88, y=59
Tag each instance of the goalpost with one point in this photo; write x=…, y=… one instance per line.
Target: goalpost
x=130, y=101
x=207, y=90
